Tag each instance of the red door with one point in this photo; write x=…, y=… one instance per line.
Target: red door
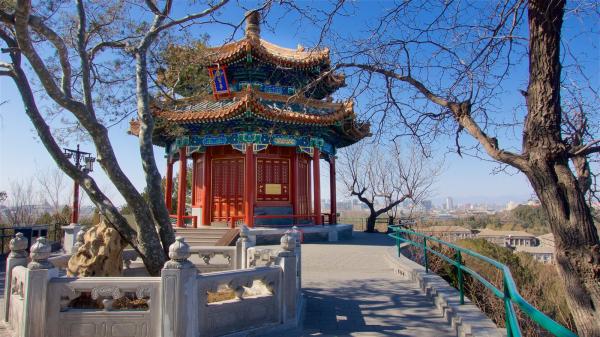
x=227, y=188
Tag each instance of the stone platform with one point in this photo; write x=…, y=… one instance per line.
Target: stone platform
x=310, y=233
x=350, y=289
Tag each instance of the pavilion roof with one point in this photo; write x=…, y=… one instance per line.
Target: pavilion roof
x=268, y=52
x=269, y=106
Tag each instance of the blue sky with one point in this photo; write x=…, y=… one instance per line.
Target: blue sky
x=466, y=179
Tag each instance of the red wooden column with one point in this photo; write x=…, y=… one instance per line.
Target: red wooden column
x=332, y=190
x=169, y=186
x=194, y=183
x=250, y=189
x=295, y=187
x=205, y=190
x=317, y=186
x=181, y=193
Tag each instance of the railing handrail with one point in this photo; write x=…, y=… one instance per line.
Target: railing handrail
x=509, y=294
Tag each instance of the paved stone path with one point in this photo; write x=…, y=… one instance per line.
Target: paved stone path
x=351, y=290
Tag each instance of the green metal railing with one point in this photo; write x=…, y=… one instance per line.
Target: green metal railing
x=509, y=294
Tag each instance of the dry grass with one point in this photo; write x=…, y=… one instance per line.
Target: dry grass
x=220, y=295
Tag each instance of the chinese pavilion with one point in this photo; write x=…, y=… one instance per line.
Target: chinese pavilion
x=253, y=140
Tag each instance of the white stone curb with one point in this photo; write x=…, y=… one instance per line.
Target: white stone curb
x=467, y=320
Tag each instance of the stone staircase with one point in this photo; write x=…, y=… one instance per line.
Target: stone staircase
x=202, y=236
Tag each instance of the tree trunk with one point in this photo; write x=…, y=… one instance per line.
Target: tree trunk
x=571, y=222
x=576, y=242
x=371, y=223
x=153, y=178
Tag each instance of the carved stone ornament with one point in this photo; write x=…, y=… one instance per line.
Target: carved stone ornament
x=16, y=287
x=39, y=254
x=244, y=232
x=238, y=286
x=263, y=256
x=143, y=292
x=296, y=233
x=206, y=257
x=67, y=295
x=269, y=282
x=108, y=295
x=179, y=252
x=18, y=246
x=288, y=242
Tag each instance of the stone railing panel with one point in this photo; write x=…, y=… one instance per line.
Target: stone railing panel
x=250, y=308
x=213, y=258
x=17, y=308
x=103, y=306
x=261, y=257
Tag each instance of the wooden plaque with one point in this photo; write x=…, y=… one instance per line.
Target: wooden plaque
x=273, y=189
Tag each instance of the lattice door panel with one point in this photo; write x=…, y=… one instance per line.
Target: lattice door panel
x=227, y=188
x=272, y=179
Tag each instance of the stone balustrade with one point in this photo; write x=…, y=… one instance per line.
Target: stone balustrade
x=184, y=301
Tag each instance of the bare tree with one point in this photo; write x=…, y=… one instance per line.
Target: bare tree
x=374, y=172
x=444, y=74
x=21, y=202
x=89, y=87
x=52, y=187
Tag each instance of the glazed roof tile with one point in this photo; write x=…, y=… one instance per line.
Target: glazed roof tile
x=269, y=52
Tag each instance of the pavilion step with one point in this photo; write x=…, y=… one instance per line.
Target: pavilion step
x=201, y=236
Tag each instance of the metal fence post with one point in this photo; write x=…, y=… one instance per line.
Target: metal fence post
x=425, y=254
x=461, y=286
x=509, y=331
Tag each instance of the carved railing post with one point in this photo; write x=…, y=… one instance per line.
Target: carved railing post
x=179, y=309
x=289, y=291
x=245, y=243
x=79, y=241
x=17, y=257
x=296, y=232
x=71, y=233
x=39, y=272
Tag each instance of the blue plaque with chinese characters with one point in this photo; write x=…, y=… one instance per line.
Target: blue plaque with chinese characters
x=219, y=81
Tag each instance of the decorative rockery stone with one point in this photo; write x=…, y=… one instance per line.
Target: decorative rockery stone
x=100, y=253
x=18, y=246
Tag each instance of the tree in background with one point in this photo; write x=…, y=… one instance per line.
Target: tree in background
x=101, y=51
x=443, y=68
x=374, y=172
x=21, y=201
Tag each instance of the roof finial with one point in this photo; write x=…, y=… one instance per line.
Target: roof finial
x=253, y=24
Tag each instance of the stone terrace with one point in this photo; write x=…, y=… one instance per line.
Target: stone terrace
x=351, y=289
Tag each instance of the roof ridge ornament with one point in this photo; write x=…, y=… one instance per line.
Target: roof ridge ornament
x=253, y=24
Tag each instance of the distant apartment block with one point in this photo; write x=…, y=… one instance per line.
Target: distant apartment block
x=449, y=233
x=543, y=254
x=508, y=238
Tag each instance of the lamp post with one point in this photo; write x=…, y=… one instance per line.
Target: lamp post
x=84, y=162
